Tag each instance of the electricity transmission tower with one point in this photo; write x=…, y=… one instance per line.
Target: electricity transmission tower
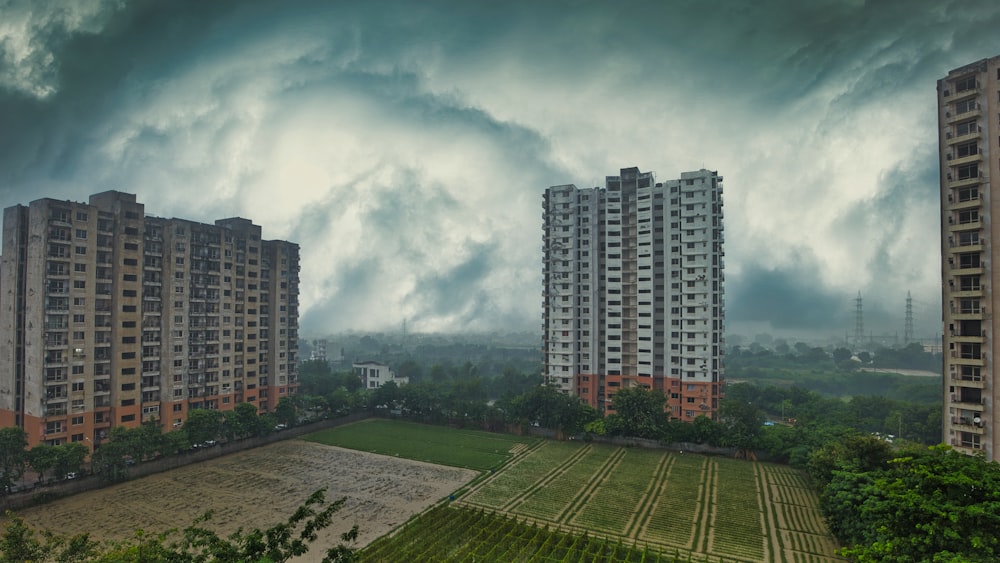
x=859, y=322
x=908, y=327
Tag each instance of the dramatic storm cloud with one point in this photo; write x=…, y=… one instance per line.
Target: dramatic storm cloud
x=406, y=145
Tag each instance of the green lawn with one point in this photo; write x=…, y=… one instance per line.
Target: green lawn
x=435, y=444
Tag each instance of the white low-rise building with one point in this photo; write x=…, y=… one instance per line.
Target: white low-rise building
x=374, y=375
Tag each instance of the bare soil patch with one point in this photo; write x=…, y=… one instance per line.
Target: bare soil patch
x=259, y=488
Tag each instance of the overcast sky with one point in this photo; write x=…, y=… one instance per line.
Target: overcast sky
x=406, y=145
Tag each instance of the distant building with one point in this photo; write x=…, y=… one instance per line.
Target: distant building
x=319, y=350
x=633, y=290
x=110, y=317
x=967, y=128
x=374, y=375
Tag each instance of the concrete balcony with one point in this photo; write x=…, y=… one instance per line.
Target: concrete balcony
x=954, y=140
x=966, y=271
x=971, y=383
x=966, y=403
x=955, y=183
x=951, y=118
x=967, y=204
x=967, y=159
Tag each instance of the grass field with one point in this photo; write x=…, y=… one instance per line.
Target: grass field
x=566, y=494
x=469, y=449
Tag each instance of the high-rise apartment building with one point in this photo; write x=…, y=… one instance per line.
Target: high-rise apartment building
x=111, y=317
x=969, y=147
x=633, y=290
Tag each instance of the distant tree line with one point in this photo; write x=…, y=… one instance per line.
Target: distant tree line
x=125, y=447
x=837, y=373
x=782, y=356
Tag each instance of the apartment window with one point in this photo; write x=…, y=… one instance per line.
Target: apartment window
x=966, y=84
x=76, y=420
x=968, y=194
x=966, y=149
x=968, y=216
x=128, y=417
x=965, y=106
x=79, y=267
x=966, y=128
x=81, y=216
x=967, y=171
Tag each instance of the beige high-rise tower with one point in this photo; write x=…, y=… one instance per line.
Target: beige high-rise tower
x=111, y=317
x=969, y=146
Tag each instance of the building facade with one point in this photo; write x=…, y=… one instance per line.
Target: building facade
x=111, y=317
x=374, y=375
x=968, y=113
x=633, y=290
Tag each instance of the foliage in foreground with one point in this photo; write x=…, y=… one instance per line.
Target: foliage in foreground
x=466, y=534
x=920, y=504
x=195, y=544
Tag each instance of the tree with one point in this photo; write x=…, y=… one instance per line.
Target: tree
x=241, y=422
x=286, y=412
x=202, y=425
x=639, y=412
x=742, y=422
x=110, y=461
x=13, y=456
x=928, y=504
x=386, y=395
x=42, y=458
x=855, y=453
x=61, y=459
x=841, y=355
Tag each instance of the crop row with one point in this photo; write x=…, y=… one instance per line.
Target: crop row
x=808, y=543
x=550, y=501
x=737, y=528
x=672, y=518
x=785, y=476
x=524, y=473
x=800, y=519
x=613, y=504
x=793, y=495
x=456, y=533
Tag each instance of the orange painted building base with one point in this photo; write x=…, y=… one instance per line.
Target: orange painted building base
x=687, y=400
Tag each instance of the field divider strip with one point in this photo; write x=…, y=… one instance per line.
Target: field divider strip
x=709, y=500
x=569, y=513
x=650, y=498
x=775, y=549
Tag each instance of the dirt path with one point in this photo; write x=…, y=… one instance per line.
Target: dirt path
x=259, y=488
